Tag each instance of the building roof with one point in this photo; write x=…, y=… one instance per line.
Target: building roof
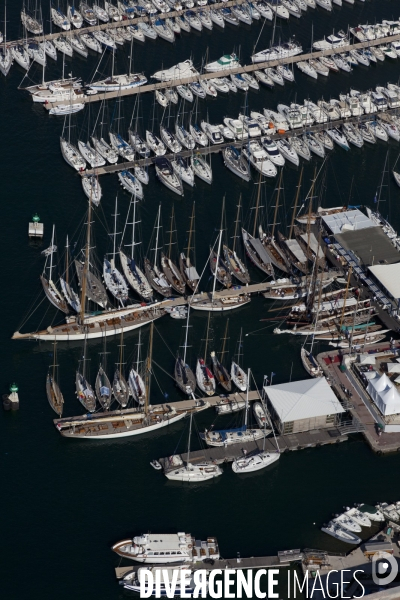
x=389, y=277
x=349, y=220
x=303, y=399
x=372, y=246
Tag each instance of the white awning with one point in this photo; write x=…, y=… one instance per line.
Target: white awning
x=384, y=394
x=352, y=220
x=393, y=367
x=303, y=399
x=389, y=277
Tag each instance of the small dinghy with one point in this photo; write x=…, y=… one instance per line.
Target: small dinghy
x=338, y=532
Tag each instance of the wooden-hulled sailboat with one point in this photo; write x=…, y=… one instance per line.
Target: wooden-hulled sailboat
x=235, y=264
x=220, y=269
x=223, y=302
x=238, y=375
x=54, y=395
x=290, y=246
x=100, y=324
x=119, y=386
x=124, y=422
x=254, y=247
x=102, y=384
x=220, y=372
x=186, y=265
x=69, y=293
x=205, y=379
x=48, y=284
x=154, y=274
x=183, y=374
x=135, y=380
x=276, y=255
x=170, y=270
x=84, y=390
x=133, y=274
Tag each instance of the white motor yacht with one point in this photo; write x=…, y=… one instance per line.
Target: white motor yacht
x=278, y=120
x=338, y=532
x=74, y=17
x=164, y=548
x=251, y=126
x=358, y=516
x=273, y=152
x=117, y=83
x=347, y=523
x=258, y=157
x=237, y=128
x=333, y=41
x=197, y=89
x=234, y=161
x=292, y=116
x=185, y=92
x=61, y=110
x=212, y=132
x=280, y=52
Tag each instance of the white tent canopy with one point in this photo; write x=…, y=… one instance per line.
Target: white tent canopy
x=303, y=399
x=393, y=367
x=367, y=359
x=384, y=394
x=389, y=277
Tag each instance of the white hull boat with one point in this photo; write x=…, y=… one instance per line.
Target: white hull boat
x=256, y=462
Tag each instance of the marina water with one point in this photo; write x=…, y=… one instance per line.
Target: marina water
x=65, y=502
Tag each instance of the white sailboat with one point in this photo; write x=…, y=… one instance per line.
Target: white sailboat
x=113, y=279
x=258, y=460
x=48, y=284
x=135, y=380
x=133, y=274
x=6, y=56
x=69, y=293
x=238, y=375
x=193, y=473
x=204, y=377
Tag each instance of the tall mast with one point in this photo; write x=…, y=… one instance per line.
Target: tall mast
x=86, y=263
x=190, y=435
x=148, y=370
x=158, y=229
x=309, y=216
x=295, y=202
x=67, y=261
x=257, y=205
x=216, y=264
x=138, y=352
x=345, y=298
x=51, y=255
x=170, y=233
x=54, y=359
x=115, y=232
x=247, y=397
x=224, y=340
x=191, y=230
x=121, y=350
x=236, y=223
x=186, y=335
x=208, y=327
x=277, y=204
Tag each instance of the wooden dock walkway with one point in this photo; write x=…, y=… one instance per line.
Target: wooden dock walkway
x=245, y=69
x=145, y=162
x=286, y=443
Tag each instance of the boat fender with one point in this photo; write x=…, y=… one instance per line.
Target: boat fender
x=144, y=555
x=281, y=131
x=190, y=546
x=270, y=125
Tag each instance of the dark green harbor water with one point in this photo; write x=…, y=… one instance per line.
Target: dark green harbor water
x=65, y=502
